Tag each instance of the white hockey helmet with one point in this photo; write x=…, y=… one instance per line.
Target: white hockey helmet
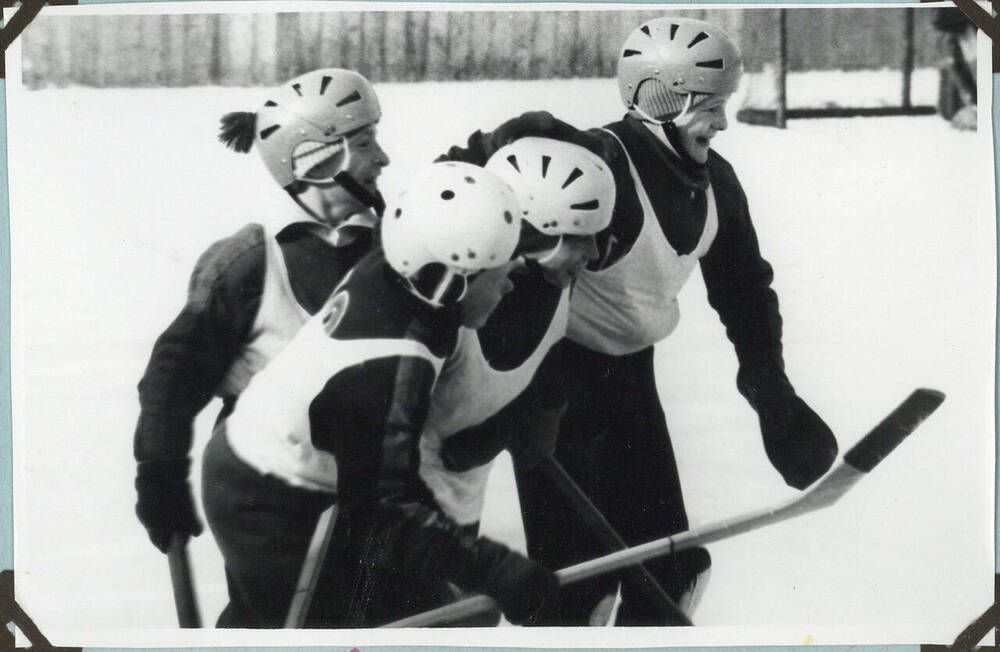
x=304, y=120
x=563, y=188
x=452, y=220
x=684, y=55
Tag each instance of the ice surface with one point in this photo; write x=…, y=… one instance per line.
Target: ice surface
x=880, y=231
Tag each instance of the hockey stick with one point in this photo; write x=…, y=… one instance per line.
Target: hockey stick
x=315, y=556
x=858, y=461
x=188, y=615
x=594, y=520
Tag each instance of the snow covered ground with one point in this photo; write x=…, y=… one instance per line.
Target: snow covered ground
x=882, y=235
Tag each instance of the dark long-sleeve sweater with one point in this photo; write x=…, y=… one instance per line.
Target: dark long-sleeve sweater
x=737, y=277
x=192, y=356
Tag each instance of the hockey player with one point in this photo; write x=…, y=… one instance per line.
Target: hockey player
x=250, y=292
x=337, y=415
x=566, y=194
x=957, y=99
x=679, y=205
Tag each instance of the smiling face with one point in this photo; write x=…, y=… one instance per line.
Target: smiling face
x=365, y=163
x=699, y=124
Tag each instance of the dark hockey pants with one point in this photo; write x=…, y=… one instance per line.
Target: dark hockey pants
x=263, y=527
x=613, y=442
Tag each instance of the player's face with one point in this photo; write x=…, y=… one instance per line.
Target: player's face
x=699, y=124
x=569, y=259
x=484, y=294
x=367, y=158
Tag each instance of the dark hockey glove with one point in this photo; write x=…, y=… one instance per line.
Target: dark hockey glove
x=165, y=505
x=797, y=441
x=524, y=589
x=472, y=447
x=535, y=441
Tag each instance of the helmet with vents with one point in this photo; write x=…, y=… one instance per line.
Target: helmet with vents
x=563, y=188
x=304, y=121
x=686, y=56
x=452, y=220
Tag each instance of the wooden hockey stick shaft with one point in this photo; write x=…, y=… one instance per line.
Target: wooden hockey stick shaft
x=188, y=615
x=858, y=461
x=638, y=576
x=309, y=576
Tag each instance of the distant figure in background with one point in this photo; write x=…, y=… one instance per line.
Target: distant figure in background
x=957, y=99
x=251, y=292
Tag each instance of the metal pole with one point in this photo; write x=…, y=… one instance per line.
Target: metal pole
x=782, y=110
x=908, y=53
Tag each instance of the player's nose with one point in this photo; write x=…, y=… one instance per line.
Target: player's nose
x=381, y=159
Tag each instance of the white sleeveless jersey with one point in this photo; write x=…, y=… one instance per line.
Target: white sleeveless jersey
x=633, y=303
x=279, y=317
x=467, y=393
x=270, y=429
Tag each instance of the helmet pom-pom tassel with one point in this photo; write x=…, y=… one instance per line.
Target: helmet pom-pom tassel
x=237, y=130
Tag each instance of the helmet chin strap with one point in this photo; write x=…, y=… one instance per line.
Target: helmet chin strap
x=348, y=183
x=341, y=178
x=645, y=117
x=373, y=201
x=551, y=253
x=670, y=129
x=301, y=204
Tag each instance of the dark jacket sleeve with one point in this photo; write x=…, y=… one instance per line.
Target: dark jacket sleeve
x=370, y=417
x=626, y=222
x=482, y=145
x=192, y=355
x=527, y=426
x=738, y=280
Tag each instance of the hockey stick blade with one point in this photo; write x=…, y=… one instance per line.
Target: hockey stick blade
x=188, y=615
x=896, y=427
x=858, y=461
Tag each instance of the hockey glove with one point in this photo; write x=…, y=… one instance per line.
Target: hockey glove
x=797, y=441
x=535, y=441
x=525, y=590
x=472, y=447
x=165, y=505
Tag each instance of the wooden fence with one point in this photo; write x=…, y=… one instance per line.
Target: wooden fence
x=250, y=49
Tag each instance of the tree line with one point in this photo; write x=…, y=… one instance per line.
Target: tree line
x=251, y=49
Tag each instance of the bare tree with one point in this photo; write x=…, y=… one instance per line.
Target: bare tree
x=364, y=63
x=344, y=34
x=425, y=38
x=383, y=36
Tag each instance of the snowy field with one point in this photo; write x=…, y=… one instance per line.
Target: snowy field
x=882, y=235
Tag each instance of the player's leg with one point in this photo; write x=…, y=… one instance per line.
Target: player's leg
x=641, y=489
x=263, y=528
x=556, y=536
